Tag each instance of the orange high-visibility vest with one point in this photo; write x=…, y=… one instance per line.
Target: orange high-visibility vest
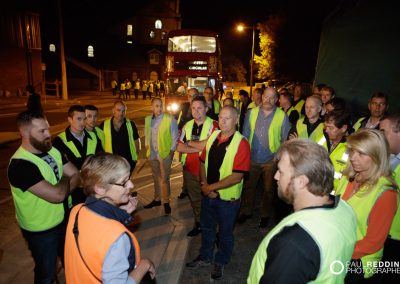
x=96, y=235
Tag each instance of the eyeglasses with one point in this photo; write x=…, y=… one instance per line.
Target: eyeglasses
x=124, y=184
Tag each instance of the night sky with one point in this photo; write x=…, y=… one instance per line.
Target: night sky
x=298, y=41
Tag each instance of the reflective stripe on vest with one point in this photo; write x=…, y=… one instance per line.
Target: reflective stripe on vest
x=302, y=130
x=164, y=139
x=207, y=125
x=233, y=192
x=338, y=228
x=35, y=214
x=339, y=158
x=274, y=131
x=322, y=141
x=96, y=236
x=108, y=138
x=90, y=148
x=362, y=203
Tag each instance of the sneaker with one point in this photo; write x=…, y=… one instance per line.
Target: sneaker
x=167, y=209
x=218, y=272
x=182, y=195
x=242, y=218
x=153, y=204
x=198, y=262
x=264, y=222
x=194, y=232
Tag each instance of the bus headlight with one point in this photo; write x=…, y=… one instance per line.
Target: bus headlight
x=174, y=107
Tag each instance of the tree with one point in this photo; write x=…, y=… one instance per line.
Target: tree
x=266, y=62
x=233, y=69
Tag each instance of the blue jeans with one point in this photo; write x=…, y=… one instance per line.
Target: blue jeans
x=222, y=213
x=45, y=247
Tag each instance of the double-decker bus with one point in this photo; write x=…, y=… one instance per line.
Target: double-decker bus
x=193, y=60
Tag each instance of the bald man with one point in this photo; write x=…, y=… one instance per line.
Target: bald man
x=121, y=135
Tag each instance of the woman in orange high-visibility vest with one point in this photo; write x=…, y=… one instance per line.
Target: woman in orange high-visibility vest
x=98, y=246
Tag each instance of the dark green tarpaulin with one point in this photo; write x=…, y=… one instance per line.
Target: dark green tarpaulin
x=359, y=53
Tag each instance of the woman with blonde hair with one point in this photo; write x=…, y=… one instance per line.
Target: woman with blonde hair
x=98, y=247
x=367, y=187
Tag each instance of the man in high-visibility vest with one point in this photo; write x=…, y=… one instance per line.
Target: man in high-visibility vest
x=92, y=112
x=390, y=125
x=316, y=242
x=333, y=139
x=161, y=135
x=224, y=161
x=378, y=105
x=285, y=103
x=298, y=99
x=213, y=105
x=266, y=128
x=41, y=178
x=256, y=98
x=192, y=140
x=311, y=125
x=327, y=93
x=121, y=135
x=76, y=144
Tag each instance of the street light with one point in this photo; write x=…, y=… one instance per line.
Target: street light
x=241, y=28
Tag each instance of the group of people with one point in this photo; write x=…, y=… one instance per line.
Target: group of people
x=148, y=88
x=73, y=196
x=341, y=182
x=341, y=179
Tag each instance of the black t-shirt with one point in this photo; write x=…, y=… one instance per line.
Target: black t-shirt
x=216, y=155
x=196, y=131
x=120, y=139
x=24, y=174
x=293, y=255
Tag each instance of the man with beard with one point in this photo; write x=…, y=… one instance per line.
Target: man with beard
x=317, y=240
x=40, y=179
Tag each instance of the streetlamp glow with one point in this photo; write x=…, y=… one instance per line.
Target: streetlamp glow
x=241, y=28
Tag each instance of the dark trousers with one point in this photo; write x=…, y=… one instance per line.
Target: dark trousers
x=45, y=247
x=222, y=214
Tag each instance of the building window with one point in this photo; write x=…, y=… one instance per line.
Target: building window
x=129, y=30
x=90, y=51
x=163, y=35
x=154, y=58
x=52, y=48
x=152, y=34
x=158, y=24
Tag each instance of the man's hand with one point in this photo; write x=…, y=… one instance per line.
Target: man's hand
x=208, y=190
x=293, y=136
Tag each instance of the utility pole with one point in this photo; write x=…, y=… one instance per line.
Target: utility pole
x=62, y=55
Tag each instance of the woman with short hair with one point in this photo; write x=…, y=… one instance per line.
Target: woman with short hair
x=99, y=248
